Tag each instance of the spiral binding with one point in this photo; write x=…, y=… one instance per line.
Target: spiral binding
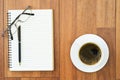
x=9, y=42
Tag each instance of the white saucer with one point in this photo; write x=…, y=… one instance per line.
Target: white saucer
x=79, y=42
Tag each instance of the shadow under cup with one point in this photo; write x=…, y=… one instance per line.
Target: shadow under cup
x=90, y=54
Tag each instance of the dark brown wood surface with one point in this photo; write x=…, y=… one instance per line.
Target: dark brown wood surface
x=118, y=39
x=72, y=18
x=79, y=17
x=1, y=40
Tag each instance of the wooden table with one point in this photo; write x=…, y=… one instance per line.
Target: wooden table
x=72, y=18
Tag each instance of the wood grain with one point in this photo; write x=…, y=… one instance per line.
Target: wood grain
x=12, y=79
x=39, y=78
x=72, y=18
x=108, y=34
x=1, y=39
x=86, y=24
x=86, y=16
x=67, y=27
x=38, y=4
x=117, y=39
x=105, y=13
x=1, y=79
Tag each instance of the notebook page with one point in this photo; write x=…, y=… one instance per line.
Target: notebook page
x=36, y=42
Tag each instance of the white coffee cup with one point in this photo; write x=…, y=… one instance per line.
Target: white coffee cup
x=79, y=43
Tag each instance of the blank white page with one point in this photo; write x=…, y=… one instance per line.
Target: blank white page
x=36, y=42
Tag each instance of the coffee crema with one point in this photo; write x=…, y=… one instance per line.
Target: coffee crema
x=90, y=53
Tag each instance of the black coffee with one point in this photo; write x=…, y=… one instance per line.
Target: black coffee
x=90, y=53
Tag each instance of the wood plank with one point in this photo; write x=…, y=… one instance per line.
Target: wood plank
x=38, y=4
x=86, y=17
x=105, y=13
x=108, y=72
x=1, y=78
x=45, y=4
x=12, y=79
x=1, y=39
x=67, y=34
x=117, y=39
x=86, y=24
x=78, y=17
x=39, y=78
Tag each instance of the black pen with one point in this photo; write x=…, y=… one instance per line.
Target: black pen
x=19, y=45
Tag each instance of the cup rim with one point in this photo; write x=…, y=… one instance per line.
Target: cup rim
x=84, y=39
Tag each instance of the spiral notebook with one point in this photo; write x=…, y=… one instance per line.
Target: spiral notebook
x=36, y=42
